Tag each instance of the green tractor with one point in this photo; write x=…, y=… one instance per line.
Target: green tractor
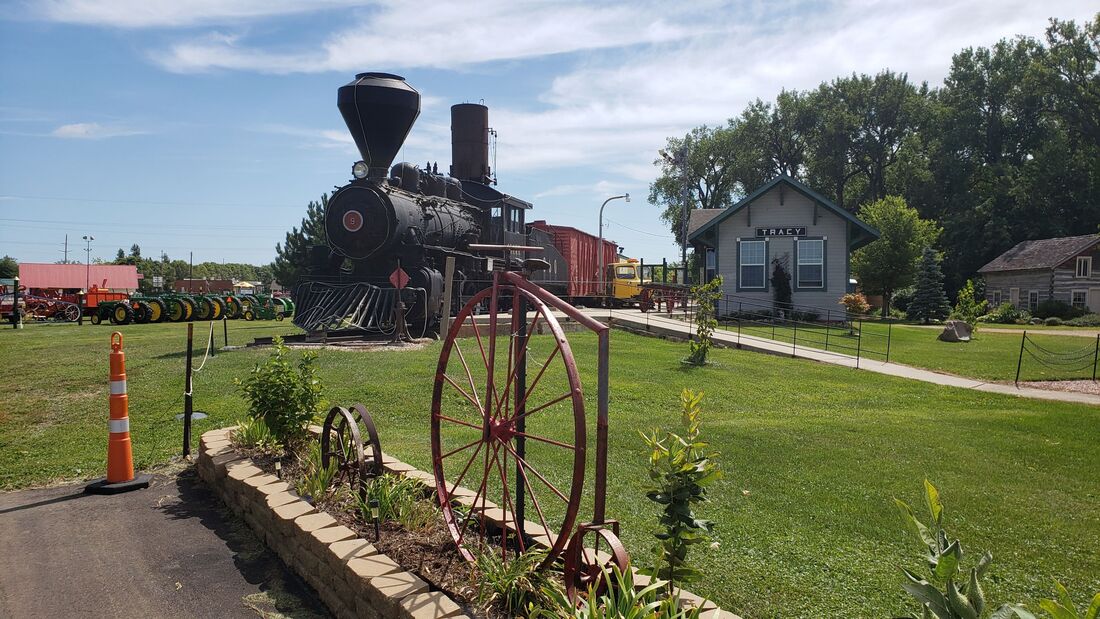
x=265, y=307
x=209, y=307
x=178, y=307
x=122, y=312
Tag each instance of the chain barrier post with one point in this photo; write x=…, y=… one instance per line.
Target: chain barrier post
x=187, y=394
x=225, y=330
x=1020, y=361
x=889, y=338
x=120, y=457
x=1095, y=356
x=859, y=342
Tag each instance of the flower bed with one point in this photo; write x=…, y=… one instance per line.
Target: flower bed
x=417, y=573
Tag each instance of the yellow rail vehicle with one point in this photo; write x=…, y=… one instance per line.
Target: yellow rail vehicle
x=624, y=281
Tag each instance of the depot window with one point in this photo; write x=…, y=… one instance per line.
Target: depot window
x=752, y=256
x=811, y=263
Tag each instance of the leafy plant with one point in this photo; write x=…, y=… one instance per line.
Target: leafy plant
x=680, y=469
x=517, y=584
x=967, y=305
x=950, y=591
x=621, y=601
x=400, y=499
x=1063, y=607
x=314, y=479
x=255, y=434
x=1006, y=314
x=283, y=394
x=706, y=296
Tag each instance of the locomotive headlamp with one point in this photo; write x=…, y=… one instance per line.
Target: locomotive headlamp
x=360, y=169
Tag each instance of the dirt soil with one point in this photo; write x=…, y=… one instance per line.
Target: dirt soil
x=1077, y=386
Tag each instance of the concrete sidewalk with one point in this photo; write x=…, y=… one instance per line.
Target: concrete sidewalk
x=661, y=325
x=171, y=550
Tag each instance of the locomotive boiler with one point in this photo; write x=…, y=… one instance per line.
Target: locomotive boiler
x=404, y=216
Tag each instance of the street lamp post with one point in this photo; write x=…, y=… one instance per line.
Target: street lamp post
x=600, y=275
x=88, y=262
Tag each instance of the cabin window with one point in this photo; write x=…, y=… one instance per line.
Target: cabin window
x=515, y=220
x=624, y=273
x=1032, y=300
x=751, y=255
x=996, y=298
x=811, y=263
x=1079, y=298
x=1084, y=266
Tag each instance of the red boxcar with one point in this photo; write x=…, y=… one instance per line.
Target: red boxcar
x=574, y=272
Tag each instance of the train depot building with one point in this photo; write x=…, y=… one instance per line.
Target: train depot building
x=784, y=221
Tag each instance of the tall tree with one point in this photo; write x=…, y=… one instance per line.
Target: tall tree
x=890, y=262
x=929, y=300
x=9, y=267
x=135, y=251
x=708, y=179
x=292, y=257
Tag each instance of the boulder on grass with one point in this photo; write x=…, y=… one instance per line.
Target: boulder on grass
x=956, y=331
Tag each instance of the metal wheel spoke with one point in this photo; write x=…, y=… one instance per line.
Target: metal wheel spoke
x=472, y=399
x=480, y=493
x=535, y=501
x=502, y=467
x=545, y=440
x=459, y=422
x=528, y=466
x=469, y=376
x=521, y=358
x=464, y=470
x=542, y=370
x=540, y=407
x=454, y=451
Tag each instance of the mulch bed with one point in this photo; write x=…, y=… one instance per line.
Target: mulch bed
x=1076, y=386
x=431, y=553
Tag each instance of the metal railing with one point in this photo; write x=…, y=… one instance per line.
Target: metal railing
x=823, y=330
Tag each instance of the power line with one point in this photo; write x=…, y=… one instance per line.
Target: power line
x=140, y=225
x=663, y=236
x=148, y=202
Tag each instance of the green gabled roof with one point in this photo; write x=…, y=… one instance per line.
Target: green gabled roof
x=871, y=233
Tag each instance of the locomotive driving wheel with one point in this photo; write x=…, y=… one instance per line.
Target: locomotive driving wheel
x=490, y=419
x=342, y=446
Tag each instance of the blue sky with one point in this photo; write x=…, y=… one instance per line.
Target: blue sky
x=207, y=125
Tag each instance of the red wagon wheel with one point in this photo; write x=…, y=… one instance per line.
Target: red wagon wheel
x=490, y=418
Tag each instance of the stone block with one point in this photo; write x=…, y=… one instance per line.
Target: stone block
x=386, y=592
x=220, y=463
x=429, y=606
x=281, y=498
x=427, y=478
x=276, y=487
x=363, y=569
x=717, y=613
x=242, y=470
x=311, y=522
x=339, y=553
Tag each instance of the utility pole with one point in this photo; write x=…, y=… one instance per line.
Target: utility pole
x=685, y=198
x=66, y=261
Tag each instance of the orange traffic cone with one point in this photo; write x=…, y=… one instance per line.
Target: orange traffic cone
x=120, y=459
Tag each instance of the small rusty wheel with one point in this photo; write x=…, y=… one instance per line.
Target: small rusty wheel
x=342, y=445
x=585, y=567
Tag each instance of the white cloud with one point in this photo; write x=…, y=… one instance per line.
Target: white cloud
x=448, y=36
x=93, y=131
x=174, y=13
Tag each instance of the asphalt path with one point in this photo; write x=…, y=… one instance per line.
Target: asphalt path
x=171, y=550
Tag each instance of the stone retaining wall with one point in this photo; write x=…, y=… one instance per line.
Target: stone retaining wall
x=352, y=578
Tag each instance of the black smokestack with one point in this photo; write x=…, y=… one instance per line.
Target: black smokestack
x=379, y=109
x=470, y=142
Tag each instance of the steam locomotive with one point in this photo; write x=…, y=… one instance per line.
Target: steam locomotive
x=405, y=218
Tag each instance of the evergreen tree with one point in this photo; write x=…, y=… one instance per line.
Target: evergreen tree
x=929, y=300
x=9, y=268
x=120, y=257
x=292, y=257
x=135, y=251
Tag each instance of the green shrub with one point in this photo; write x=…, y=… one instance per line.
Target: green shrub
x=314, y=479
x=902, y=298
x=1088, y=320
x=1007, y=314
x=856, y=303
x=1053, y=321
x=623, y=600
x=967, y=305
x=680, y=469
x=400, y=499
x=517, y=584
x=1057, y=309
x=705, y=296
x=255, y=434
x=284, y=395
x=948, y=591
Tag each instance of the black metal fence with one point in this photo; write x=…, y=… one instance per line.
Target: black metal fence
x=1064, y=363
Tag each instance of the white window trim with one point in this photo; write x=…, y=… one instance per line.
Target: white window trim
x=1085, y=304
x=741, y=264
x=798, y=266
x=1030, y=307
x=1086, y=260
x=996, y=296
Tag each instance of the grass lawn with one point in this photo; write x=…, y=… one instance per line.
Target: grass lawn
x=989, y=356
x=813, y=455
